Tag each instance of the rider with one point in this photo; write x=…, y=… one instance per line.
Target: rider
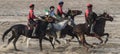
x=31, y=18
x=52, y=12
x=59, y=9
x=90, y=17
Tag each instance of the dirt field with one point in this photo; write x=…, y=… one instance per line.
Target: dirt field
x=14, y=12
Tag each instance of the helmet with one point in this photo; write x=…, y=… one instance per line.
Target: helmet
x=31, y=5
x=89, y=5
x=52, y=7
x=61, y=2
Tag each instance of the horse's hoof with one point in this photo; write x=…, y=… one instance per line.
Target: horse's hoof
x=53, y=47
x=92, y=46
x=41, y=50
x=87, y=49
x=95, y=43
x=4, y=46
x=69, y=40
x=17, y=50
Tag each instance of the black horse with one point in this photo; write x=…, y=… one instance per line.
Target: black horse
x=82, y=29
x=20, y=29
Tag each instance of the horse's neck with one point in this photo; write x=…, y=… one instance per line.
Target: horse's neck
x=101, y=21
x=100, y=24
x=42, y=25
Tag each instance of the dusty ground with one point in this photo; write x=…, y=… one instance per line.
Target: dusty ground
x=14, y=12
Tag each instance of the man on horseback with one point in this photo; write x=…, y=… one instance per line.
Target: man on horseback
x=59, y=9
x=90, y=18
x=52, y=13
x=31, y=17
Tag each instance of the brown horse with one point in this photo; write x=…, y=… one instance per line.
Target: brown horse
x=81, y=29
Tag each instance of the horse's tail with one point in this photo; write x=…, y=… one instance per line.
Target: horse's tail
x=6, y=32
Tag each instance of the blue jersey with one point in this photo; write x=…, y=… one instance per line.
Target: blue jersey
x=52, y=13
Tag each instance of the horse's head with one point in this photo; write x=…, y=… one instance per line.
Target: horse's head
x=106, y=16
x=73, y=12
x=46, y=18
x=49, y=18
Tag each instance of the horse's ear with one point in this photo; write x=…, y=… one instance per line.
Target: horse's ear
x=69, y=9
x=105, y=12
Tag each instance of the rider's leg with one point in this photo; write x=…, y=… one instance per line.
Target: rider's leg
x=34, y=29
x=72, y=23
x=92, y=28
x=33, y=33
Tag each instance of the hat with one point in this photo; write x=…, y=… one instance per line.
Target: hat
x=89, y=5
x=31, y=5
x=61, y=2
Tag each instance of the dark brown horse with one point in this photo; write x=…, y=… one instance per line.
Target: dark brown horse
x=20, y=29
x=81, y=29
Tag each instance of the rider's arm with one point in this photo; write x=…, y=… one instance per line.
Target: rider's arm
x=86, y=19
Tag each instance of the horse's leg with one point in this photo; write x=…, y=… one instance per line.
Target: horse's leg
x=24, y=39
x=88, y=43
x=56, y=38
x=78, y=39
x=62, y=34
x=71, y=34
x=106, y=37
x=74, y=35
x=50, y=39
x=28, y=42
x=53, y=40
x=40, y=42
x=98, y=37
x=58, y=41
x=11, y=38
x=15, y=40
x=82, y=38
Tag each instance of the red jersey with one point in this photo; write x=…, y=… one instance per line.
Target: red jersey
x=86, y=13
x=59, y=9
x=31, y=15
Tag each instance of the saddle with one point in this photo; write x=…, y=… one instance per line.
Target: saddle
x=31, y=25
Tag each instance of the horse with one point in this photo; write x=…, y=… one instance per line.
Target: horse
x=60, y=26
x=19, y=30
x=52, y=34
x=82, y=29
